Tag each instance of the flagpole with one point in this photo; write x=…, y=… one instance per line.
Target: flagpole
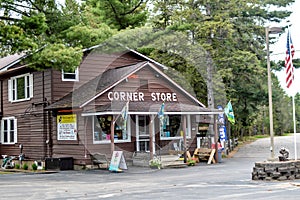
x=290, y=51
x=294, y=119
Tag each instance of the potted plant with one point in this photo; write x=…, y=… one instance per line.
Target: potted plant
x=155, y=163
x=191, y=162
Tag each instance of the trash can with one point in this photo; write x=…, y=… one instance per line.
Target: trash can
x=52, y=163
x=66, y=163
x=219, y=155
x=62, y=163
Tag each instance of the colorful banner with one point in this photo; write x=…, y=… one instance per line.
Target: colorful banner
x=229, y=113
x=117, y=163
x=222, y=127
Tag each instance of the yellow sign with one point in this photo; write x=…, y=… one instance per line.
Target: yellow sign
x=67, y=127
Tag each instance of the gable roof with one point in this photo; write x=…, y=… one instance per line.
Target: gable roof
x=10, y=60
x=94, y=88
x=149, y=108
x=109, y=79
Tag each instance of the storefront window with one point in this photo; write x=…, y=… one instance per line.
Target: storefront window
x=102, y=129
x=172, y=127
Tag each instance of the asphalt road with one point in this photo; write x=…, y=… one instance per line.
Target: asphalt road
x=230, y=179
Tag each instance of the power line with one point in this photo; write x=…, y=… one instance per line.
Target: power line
x=275, y=54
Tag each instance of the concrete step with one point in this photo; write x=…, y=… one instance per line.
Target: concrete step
x=172, y=161
x=168, y=158
x=174, y=165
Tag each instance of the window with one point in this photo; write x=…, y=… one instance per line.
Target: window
x=172, y=127
x=102, y=129
x=9, y=130
x=70, y=76
x=20, y=88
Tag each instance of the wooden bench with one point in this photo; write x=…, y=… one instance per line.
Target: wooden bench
x=205, y=154
x=100, y=160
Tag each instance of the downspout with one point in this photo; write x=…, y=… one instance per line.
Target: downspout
x=1, y=114
x=44, y=118
x=50, y=121
x=1, y=93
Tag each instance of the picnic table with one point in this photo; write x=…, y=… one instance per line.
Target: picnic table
x=205, y=154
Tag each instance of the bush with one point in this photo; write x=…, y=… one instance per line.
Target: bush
x=155, y=163
x=191, y=162
x=17, y=166
x=25, y=166
x=34, y=166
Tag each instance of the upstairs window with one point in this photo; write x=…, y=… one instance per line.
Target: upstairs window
x=9, y=130
x=70, y=76
x=20, y=88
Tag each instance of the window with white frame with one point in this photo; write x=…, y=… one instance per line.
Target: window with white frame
x=20, y=88
x=70, y=76
x=9, y=130
x=102, y=129
x=172, y=126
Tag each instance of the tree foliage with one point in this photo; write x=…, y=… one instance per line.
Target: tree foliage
x=52, y=34
x=119, y=14
x=233, y=34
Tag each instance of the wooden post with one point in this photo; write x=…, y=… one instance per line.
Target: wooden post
x=184, y=138
x=216, y=137
x=112, y=134
x=151, y=142
x=228, y=130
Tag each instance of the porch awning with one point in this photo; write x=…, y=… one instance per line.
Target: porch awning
x=115, y=108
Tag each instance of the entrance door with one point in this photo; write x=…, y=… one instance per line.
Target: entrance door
x=142, y=130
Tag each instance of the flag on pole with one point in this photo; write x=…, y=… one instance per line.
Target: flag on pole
x=289, y=68
x=124, y=114
x=229, y=113
x=161, y=111
x=160, y=114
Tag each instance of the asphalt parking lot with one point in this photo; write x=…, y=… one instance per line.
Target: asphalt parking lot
x=230, y=179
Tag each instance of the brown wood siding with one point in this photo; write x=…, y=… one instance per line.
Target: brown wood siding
x=156, y=84
x=60, y=88
x=33, y=135
x=40, y=90
x=92, y=66
x=32, y=123
x=82, y=150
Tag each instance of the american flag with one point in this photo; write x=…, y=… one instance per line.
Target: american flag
x=289, y=68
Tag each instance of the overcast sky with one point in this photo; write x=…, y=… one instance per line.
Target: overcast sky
x=279, y=47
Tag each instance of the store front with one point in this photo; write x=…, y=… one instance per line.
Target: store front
x=134, y=108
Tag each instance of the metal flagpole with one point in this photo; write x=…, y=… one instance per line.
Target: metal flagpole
x=294, y=119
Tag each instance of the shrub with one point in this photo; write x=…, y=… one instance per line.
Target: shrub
x=191, y=162
x=34, y=166
x=155, y=163
x=25, y=166
x=17, y=166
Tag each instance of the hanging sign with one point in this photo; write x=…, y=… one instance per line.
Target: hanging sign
x=117, y=163
x=66, y=127
x=222, y=127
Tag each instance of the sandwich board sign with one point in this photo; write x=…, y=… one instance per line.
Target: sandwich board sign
x=117, y=163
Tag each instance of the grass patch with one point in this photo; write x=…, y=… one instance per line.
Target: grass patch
x=254, y=137
x=288, y=134
x=2, y=172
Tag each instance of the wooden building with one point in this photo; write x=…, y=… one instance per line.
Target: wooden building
x=52, y=114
